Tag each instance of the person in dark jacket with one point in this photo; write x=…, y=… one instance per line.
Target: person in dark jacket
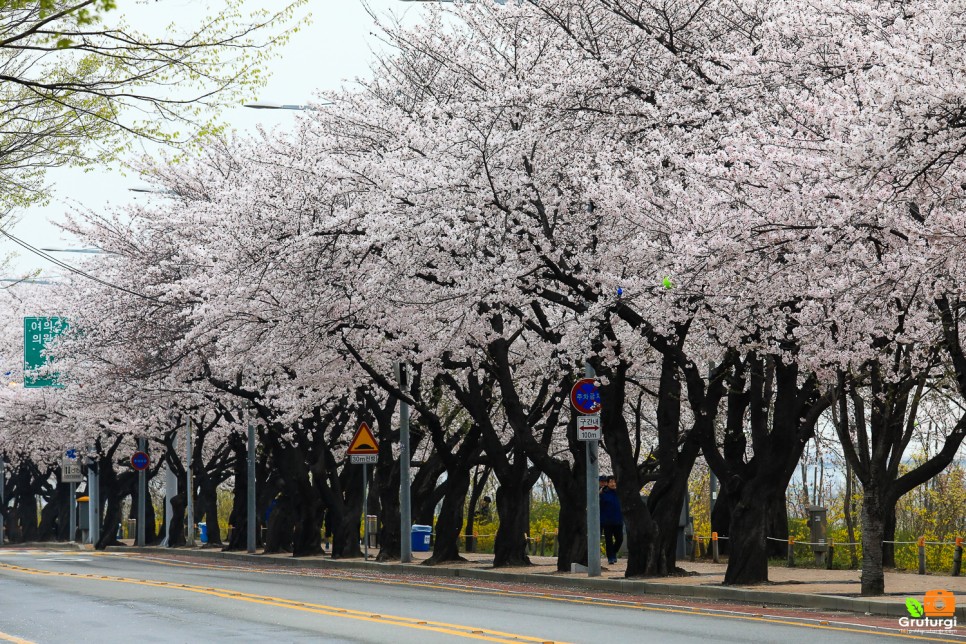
x=611, y=518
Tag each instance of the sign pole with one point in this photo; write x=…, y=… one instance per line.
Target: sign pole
x=405, y=502
x=94, y=501
x=593, y=500
x=252, y=519
x=70, y=473
x=190, y=540
x=142, y=493
x=364, y=450
x=73, y=512
x=365, y=510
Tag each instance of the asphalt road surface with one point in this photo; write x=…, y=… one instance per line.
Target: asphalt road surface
x=74, y=597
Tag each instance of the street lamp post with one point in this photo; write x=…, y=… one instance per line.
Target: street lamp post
x=252, y=519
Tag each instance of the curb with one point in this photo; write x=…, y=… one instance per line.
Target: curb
x=835, y=603
x=47, y=545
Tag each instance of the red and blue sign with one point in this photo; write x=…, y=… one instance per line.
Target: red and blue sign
x=140, y=461
x=585, y=397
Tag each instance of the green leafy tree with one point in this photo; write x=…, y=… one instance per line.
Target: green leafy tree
x=78, y=84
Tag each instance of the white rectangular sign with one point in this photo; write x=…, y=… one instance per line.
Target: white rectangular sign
x=70, y=472
x=359, y=459
x=588, y=427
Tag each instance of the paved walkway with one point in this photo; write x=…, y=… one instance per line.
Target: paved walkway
x=813, y=581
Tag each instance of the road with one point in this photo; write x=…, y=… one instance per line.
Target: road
x=77, y=596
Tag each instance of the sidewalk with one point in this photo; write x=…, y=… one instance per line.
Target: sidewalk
x=836, y=590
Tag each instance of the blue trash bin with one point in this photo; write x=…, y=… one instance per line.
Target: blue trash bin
x=421, y=535
x=204, y=532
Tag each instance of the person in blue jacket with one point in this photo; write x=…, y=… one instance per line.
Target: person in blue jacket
x=611, y=518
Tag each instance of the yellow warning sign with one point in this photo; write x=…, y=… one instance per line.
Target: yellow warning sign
x=363, y=442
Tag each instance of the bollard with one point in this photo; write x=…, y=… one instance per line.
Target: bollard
x=922, y=555
x=714, y=547
x=694, y=547
x=543, y=542
x=958, y=556
x=830, y=555
x=791, y=552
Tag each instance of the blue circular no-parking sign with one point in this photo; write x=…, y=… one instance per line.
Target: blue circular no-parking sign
x=585, y=397
x=140, y=461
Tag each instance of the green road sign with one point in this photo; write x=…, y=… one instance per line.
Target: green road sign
x=37, y=333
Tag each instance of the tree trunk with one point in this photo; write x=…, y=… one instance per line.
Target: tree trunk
x=721, y=518
x=849, y=518
x=777, y=526
x=208, y=500
x=513, y=508
x=114, y=488
x=238, y=518
x=347, y=519
x=55, y=515
x=889, y=534
x=873, y=532
x=479, y=483
x=643, y=537
x=426, y=495
x=175, y=524
x=571, y=528
x=387, y=484
x=150, y=527
x=748, y=558
x=666, y=513
x=112, y=519
x=279, y=529
x=24, y=526
x=446, y=547
x=309, y=513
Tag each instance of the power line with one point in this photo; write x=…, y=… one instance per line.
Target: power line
x=75, y=270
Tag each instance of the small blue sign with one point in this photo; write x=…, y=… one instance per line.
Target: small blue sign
x=72, y=454
x=140, y=461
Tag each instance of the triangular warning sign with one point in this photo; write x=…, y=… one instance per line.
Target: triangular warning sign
x=363, y=442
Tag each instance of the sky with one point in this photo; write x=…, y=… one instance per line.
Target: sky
x=334, y=48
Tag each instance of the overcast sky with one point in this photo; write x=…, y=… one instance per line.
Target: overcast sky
x=334, y=48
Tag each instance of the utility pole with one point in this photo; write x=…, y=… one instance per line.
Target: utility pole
x=252, y=519
x=405, y=503
x=189, y=479
x=93, y=499
x=365, y=511
x=142, y=495
x=593, y=498
x=72, y=504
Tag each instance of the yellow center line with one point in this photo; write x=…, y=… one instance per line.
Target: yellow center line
x=320, y=609
x=592, y=602
x=5, y=637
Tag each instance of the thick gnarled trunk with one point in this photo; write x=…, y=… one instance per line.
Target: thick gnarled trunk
x=513, y=508
x=748, y=550
x=449, y=524
x=873, y=533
